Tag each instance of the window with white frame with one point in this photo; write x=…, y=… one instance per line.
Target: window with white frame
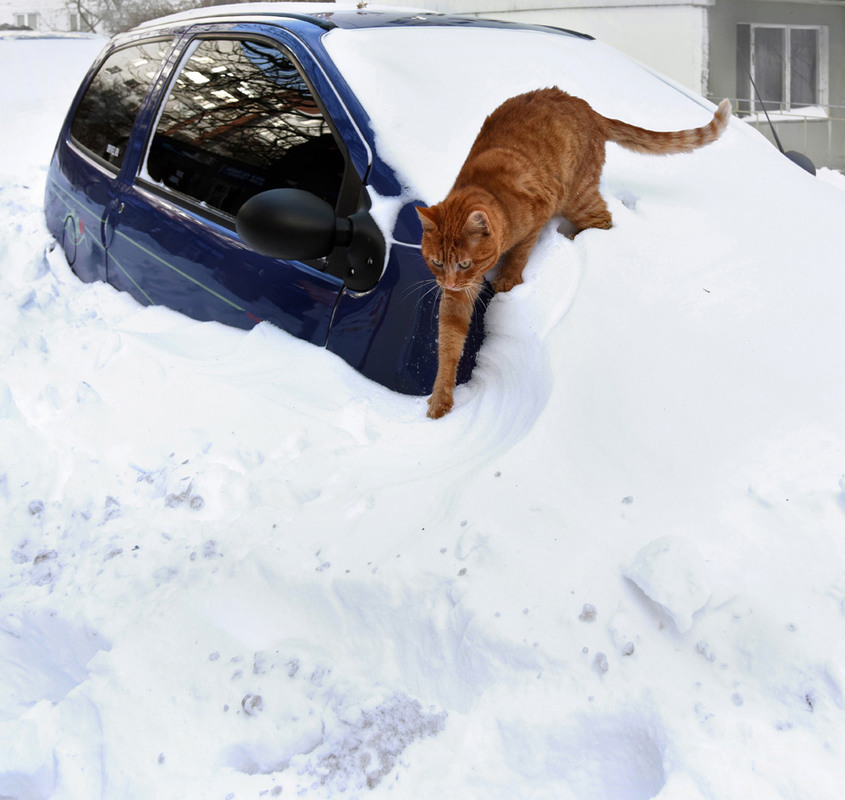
x=788, y=66
x=27, y=21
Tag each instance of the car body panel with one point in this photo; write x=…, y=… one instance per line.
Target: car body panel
x=406, y=302
x=77, y=196
x=203, y=270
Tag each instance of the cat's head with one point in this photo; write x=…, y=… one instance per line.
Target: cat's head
x=458, y=246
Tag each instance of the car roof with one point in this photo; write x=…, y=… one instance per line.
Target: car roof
x=329, y=16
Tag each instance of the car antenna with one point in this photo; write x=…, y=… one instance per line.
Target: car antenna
x=797, y=158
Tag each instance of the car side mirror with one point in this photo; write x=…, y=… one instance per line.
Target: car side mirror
x=290, y=224
x=296, y=225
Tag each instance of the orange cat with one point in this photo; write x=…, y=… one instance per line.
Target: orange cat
x=537, y=156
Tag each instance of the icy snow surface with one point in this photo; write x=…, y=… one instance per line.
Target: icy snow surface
x=235, y=569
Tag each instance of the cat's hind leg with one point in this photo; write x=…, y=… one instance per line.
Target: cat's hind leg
x=588, y=210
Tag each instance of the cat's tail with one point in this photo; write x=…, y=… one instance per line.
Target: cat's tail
x=667, y=142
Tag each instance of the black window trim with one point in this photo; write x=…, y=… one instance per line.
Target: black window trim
x=171, y=39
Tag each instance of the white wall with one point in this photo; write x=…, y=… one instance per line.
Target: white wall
x=670, y=37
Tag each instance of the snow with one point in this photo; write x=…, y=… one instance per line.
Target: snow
x=234, y=568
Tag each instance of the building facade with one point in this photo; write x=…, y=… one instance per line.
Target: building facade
x=776, y=57
x=41, y=15
x=787, y=60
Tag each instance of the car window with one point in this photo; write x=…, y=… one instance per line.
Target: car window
x=240, y=119
x=106, y=113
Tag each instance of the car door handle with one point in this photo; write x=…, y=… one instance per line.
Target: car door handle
x=110, y=221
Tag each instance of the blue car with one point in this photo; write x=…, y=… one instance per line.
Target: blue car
x=219, y=163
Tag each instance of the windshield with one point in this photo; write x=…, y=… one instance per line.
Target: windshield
x=428, y=89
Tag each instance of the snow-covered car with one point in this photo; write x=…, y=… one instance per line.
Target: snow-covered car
x=182, y=120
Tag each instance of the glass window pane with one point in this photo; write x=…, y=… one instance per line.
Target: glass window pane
x=769, y=65
x=240, y=119
x=107, y=111
x=804, y=55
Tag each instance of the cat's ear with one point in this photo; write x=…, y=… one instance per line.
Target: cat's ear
x=478, y=224
x=429, y=218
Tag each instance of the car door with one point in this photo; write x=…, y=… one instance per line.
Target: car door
x=238, y=117
x=86, y=168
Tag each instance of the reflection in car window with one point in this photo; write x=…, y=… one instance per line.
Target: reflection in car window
x=107, y=111
x=240, y=119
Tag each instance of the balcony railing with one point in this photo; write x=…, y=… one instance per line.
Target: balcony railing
x=816, y=131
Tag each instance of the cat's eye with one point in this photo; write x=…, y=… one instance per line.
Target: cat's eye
x=465, y=264
x=436, y=263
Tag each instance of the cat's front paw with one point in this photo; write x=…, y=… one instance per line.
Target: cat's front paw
x=505, y=284
x=440, y=404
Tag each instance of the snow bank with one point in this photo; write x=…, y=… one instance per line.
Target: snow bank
x=237, y=569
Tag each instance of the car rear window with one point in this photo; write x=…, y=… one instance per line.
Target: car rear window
x=106, y=113
x=240, y=119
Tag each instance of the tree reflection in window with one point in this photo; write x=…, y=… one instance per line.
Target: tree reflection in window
x=240, y=119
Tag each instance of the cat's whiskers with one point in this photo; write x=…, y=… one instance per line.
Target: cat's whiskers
x=480, y=298
x=472, y=290
x=413, y=288
x=432, y=287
